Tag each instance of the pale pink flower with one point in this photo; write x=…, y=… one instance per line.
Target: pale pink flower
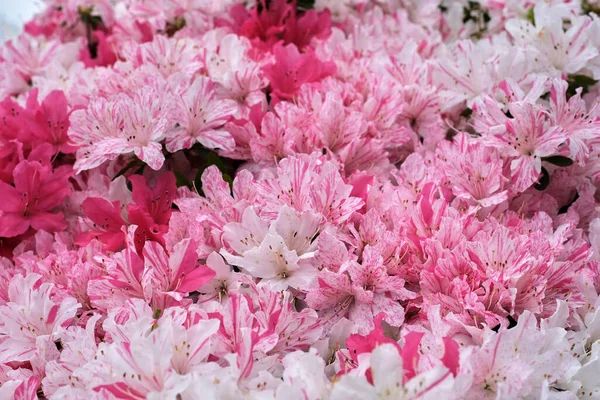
x=127, y=124
x=31, y=317
x=527, y=138
x=387, y=380
x=555, y=48
x=198, y=117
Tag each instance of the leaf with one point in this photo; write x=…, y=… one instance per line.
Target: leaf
x=466, y=113
x=132, y=164
x=590, y=8
x=565, y=208
x=530, y=16
x=544, y=180
x=171, y=27
x=306, y=4
x=579, y=81
x=228, y=179
x=181, y=180
x=560, y=161
x=85, y=15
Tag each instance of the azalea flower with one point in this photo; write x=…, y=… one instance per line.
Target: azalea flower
x=301, y=200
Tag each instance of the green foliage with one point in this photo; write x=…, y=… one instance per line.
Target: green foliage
x=175, y=25
x=530, y=16
x=306, y=4
x=560, y=161
x=544, y=180
x=479, y=15
x=579, y=81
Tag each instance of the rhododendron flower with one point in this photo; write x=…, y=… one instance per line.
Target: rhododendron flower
x=528, y=137
x=282, y=254
x=566, y=51
x=270, y=21
x=31, y=202
x=292, y=69
x=289, y=199
x=107, y=223
x=386, y=366
x=50, y=120
x=126, y=125
x=198, y=116
x=31, y=317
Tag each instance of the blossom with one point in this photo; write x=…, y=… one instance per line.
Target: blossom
x=301, y=199
x=166, y=278
x=107, y=223
x=31, y=317
x=293, y=69
x=198, y=116
x=566, y=51
x=128, y=124
x=36, y=193
x=528, y=137
x=386, y=366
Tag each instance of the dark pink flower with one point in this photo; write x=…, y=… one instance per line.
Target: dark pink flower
x=31, y=202
x=292, y=69
x=48, y=122
x=107, y=223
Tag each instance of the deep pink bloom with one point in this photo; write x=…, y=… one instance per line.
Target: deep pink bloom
x=107, y=223
x=268, y=22
x=100, y=53
x=358, y=344
x=292, y=69
x=49, y=121
x=168, y=277
x=31, y=202
x=155, y=201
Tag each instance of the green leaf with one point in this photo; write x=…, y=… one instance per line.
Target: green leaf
x=175, y=25
x=133, y=163
x=579, y=81
x=466, y=113
x=590, y=8
x=228, y=179
x=530, y=15
x=181, y=180
x=560, y=161
x=85, y=15
x=544, y=180
x=306, y=4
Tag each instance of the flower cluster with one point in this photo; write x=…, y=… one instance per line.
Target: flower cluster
x=293, y=199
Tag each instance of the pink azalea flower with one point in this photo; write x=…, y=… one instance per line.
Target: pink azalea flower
x=30, y=317
x=292, y=69
x=165, y=56
x=573, y=117
x=476, y=172
x=199, y=117
x=224, y=281
x=387, y=376
x=361, y=292
x=167, y=277
x=267, y=23
x=280, y=255
x=528, y=137
x=403, y=204
x=555, y=48
x=49, y=121
x=31, y=202
x=128, y=124
x=306, y=184
x=155, y=202
x=107, y=223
